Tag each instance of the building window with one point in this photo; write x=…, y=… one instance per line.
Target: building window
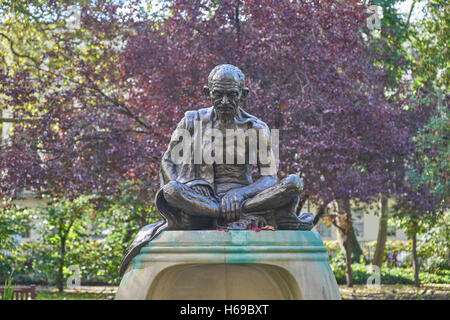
x=6, y=122
x=27, y=233
x=391, y=231
x=324, y=230
x=358, y=222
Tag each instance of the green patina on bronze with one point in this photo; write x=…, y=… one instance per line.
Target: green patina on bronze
x=234, y=246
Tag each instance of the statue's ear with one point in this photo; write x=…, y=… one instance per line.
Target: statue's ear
x=245, y=91
x=206, y=92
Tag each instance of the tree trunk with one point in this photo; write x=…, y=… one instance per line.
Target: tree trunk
x=345, y=245
x=415, y=260
x=378, y=256
x=348, y=265
x=355, y=248
x=60, y=278
x=345, y=228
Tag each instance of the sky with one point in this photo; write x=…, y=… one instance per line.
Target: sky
x=405, y=6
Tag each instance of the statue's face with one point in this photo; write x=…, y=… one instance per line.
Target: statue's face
x=225, y=93
x=225, y=96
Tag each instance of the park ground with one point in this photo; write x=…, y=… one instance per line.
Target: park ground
x=358, y=292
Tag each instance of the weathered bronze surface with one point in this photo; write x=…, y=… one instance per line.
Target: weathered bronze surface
x=210, y=195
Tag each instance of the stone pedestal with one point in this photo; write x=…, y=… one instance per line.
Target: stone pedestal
x=212, y=265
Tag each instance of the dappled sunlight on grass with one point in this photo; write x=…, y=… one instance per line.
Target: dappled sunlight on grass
x=396, y=292
x=106, y=293
x=358, y=292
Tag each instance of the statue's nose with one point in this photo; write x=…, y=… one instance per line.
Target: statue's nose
x=224, y=99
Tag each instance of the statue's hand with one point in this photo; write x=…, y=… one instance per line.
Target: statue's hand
x=230, y=206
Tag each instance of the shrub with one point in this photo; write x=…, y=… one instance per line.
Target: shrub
x=435, y=268
x=435, y=263
x=362, y=272
x=332, y=247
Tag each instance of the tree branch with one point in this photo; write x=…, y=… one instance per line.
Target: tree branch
x=16, y=120
x=14, y=52
x=409, y=14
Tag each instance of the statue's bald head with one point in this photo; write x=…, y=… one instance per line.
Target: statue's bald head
x=226, y=72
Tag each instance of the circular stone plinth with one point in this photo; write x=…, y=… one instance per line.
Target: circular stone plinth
x=231, y=265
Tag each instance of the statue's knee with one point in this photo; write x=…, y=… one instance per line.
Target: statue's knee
x=293, y=181
x=170, y=189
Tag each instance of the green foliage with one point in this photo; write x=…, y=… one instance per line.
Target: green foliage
x=413, y=48
x=435, y=263
x=434, y=233
x=338, y=264
x=13, y=222
x=120, y=218
x=434, y=155
x=8, y=290
x=361, y=273
x=433, y=256
x=64, y=226
x=389, y=46
x=437, y=238
x=431, y=46
x=433, y=252
x=391, y=245
x=39, y=264
x=124, y=213
x=117, y=219
x=99, y=261
x=332, y=246
x=89, y=232
x=426, y=80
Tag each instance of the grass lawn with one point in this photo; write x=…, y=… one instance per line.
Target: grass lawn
x=358, y=292
x=74, y=295
x=396, y=292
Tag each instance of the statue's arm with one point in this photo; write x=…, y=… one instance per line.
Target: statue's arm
x=168, y=169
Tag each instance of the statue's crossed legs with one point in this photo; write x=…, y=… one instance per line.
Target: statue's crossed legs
x=274, y=206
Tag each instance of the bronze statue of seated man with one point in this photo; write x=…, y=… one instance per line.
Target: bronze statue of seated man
x=206, y=183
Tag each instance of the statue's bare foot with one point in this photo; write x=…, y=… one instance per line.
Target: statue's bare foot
x=292, y=222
